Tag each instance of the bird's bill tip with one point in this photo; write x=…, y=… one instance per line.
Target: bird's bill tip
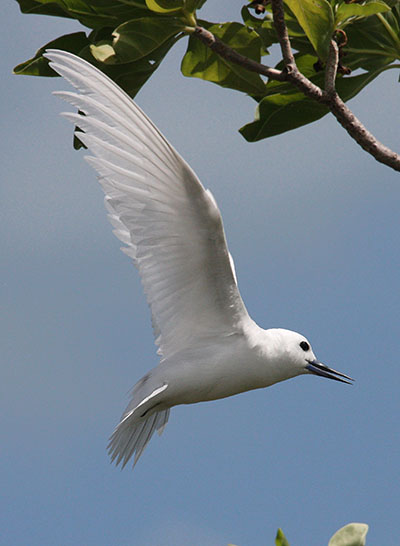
x=317, y=368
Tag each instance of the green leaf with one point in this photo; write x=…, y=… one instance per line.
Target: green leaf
x=140, y=37
x=374, y=41
x=139, y=44
x=370, y=7
x=200, y=62
x=285, y=108
x=105, y=13
x=280, y=539
x=316, y=19
x=131, y=76
x=39, y=66
x=91, y=13
x=277, y=114
x=192, y=5
x=165, y=6
x=135, y=3
x=353, y=534
x=103, y=52
x=263, y=26
x=43, y=8
x=255, y=22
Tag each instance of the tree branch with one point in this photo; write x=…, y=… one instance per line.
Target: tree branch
x=283, y=36
x=291, y=73
x=361, y=135
x=331, y=68
x=229, y=54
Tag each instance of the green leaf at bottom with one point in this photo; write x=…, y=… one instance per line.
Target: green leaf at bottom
x=353, y=534
x=280, y=539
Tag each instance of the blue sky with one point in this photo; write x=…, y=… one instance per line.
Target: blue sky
x=312, y=222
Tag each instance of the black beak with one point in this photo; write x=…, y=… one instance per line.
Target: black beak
x=316, y=367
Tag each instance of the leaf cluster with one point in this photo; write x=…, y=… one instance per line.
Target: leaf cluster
x=353, y=534
x=128, y=39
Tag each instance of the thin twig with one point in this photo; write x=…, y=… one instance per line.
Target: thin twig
x=293, y=75
x=283, y=36
x=331, y=68
x=304, y=85
x=361, y=135
x=229, y=54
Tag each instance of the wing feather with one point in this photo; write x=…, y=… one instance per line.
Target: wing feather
x=171, y=225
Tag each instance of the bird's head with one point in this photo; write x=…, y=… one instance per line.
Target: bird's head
x=297, y=349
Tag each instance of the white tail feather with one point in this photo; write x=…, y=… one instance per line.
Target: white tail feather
x=133, y=434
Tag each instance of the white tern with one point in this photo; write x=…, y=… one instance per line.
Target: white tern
x=209, y=346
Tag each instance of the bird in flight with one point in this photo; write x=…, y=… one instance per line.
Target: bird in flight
x=172, y=229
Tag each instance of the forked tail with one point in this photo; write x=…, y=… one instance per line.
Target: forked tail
x=133, y=433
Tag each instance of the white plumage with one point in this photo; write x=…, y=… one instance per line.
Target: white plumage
x=172, y=228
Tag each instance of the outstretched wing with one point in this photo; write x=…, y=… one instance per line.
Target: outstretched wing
x=170, y=224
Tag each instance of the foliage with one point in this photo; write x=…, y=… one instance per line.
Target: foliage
x=353, y=534
x=128, y=39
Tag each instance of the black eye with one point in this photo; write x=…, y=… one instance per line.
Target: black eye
x=304, y=345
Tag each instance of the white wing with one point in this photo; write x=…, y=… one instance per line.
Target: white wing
x=171, y=225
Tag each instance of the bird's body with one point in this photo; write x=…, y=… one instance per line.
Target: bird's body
x=224, y=367
x=172, y=228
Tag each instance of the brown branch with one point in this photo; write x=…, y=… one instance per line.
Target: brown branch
x=328, y=97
